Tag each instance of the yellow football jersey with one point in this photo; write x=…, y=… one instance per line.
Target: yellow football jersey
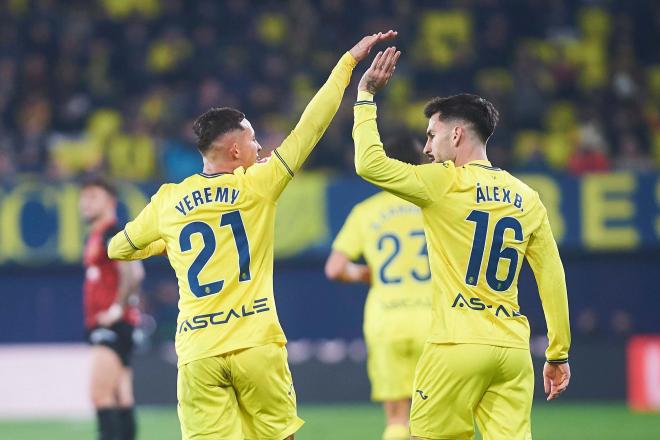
x=389, y=233
x=480, y=222
x=218, y=231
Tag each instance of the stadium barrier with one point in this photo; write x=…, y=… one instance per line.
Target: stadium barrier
x=39, y=221
x=44, y=381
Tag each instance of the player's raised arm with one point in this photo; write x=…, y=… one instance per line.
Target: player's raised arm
x=140, y=238
x=289, y=157
x=543, y=257
x=371, y=162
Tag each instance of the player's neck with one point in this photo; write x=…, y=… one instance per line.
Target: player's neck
x=216, y=167
x=469, y=154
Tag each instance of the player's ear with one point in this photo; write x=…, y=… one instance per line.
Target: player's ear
x=457, y=133
x=234, y=151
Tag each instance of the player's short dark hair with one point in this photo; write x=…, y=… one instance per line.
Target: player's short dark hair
x=99, y=182
x=404, y=147
x=216, y=122
x=477, y=111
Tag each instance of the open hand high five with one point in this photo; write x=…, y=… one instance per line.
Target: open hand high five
x=361, y=50
x=380, y=72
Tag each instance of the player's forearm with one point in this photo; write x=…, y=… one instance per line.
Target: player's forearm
x=357, y=273
x=371, y=162
x=352, y=273
x=544, y=259
x=122, y=248
x=317, y=115
x=552, y=288
x=369, y=153
x=340, y=268
x=129, y=280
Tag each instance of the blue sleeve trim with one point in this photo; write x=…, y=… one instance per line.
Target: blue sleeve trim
x=212, y=175
x=129, y=241
x=485, y=167
x=283, y=162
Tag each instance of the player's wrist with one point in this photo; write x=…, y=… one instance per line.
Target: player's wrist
x=365, y=95
x=349, y=59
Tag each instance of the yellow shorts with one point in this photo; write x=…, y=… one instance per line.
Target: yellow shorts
x=245, y=394
x=458, y=383
x=391, y=367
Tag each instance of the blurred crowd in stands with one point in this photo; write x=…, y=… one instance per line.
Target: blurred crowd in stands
x=113, y=85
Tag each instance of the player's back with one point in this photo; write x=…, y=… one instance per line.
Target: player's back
x=389, y=233
x=479, y=231
x=219, y=232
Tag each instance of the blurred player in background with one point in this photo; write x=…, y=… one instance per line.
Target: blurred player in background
x=480, y=223
x=109, y=316
x=389, y=233
x=218, y=229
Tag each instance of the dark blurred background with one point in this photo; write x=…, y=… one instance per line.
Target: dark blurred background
x=112, y=86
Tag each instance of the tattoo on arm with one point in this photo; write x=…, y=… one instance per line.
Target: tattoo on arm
x=372, y=86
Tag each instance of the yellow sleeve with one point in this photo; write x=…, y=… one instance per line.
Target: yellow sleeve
x=419, y=184
x=349, y=240
x=121, y=249
x=140, y=237
x=272, y=177
x=543, y=257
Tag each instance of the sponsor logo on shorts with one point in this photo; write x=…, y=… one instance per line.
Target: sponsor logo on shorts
x=475, y=303
x=422, y=395
x=260, y=305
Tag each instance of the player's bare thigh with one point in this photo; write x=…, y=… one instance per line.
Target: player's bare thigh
x=105, y=377
x=125, y=397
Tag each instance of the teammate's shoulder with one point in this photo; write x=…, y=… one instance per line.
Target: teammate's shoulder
x=365, y=204
x=377, y=200
x=379, y=197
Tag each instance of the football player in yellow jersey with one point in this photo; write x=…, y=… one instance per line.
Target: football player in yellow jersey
x=217, y=228
x=388, y=232
x=480, y=222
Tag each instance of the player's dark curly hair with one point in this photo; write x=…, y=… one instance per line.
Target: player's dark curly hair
x=405, y=147
x=215, y=122
x=477, y=111
x=99, y=181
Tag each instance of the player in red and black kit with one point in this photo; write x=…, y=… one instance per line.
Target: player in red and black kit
x=109, y=317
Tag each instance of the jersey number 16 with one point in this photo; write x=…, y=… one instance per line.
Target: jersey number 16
x=497, y=253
